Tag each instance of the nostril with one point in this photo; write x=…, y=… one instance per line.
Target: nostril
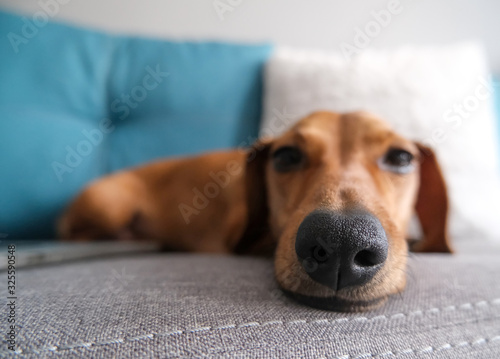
x=319, y=253
x=366, y=258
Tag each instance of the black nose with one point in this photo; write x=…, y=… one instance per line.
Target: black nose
x=341, y=249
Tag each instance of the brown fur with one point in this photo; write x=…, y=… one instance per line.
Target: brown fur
x=259, y=209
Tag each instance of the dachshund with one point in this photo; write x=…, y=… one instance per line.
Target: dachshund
x=331, y=199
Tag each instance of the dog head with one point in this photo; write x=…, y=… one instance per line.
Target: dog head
x=337, y=193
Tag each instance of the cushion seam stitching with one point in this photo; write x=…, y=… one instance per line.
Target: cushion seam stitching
x=466, y=306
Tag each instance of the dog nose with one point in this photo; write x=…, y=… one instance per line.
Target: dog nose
x=341, y=249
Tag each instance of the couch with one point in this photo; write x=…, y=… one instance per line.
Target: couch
x=76, y=104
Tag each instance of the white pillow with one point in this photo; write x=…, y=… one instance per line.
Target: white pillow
x=417, y=90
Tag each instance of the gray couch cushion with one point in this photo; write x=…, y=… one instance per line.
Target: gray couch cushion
x=181, y=305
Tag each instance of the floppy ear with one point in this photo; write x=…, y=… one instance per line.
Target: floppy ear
x=257, y=238
x=432, y=205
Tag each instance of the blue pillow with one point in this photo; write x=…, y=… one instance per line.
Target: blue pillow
x=177, y=98
x=78, y=104
x=52, y=87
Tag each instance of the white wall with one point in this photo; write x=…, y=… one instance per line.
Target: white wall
x=304, y=23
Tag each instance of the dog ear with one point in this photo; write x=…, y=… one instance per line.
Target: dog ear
x=432, y=205
x=256, y=239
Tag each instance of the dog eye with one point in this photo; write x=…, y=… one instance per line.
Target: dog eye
x=287, y=159
x=397, y=161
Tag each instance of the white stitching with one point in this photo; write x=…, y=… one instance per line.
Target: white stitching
x=443, y=347
x=251, y=324
x=273, y=322
x=425, y=350
x=228, y=326
x=202, y=329
x=107, y=342
x=363, y=356
x=300, y=321
x=479, y=341
x=465, y=306
x=173, y=332
x=147, y=336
